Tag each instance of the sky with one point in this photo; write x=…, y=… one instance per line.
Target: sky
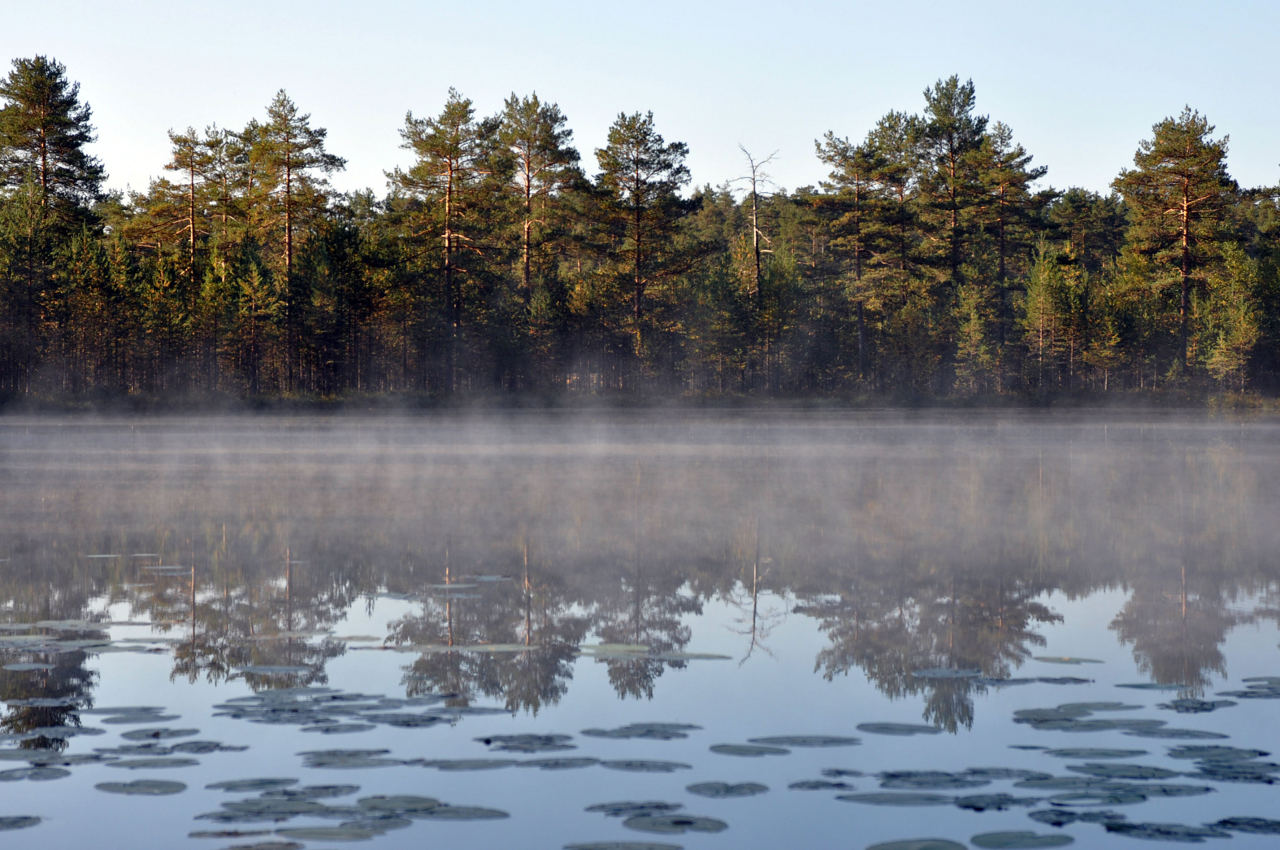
x=1080, y=83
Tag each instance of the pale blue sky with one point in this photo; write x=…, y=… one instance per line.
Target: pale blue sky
x=1079, y=82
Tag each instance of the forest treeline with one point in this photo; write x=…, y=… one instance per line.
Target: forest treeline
x=930, y=263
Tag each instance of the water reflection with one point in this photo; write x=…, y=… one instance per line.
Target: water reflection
x=931, y=548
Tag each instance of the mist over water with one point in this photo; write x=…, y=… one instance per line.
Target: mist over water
x=759, y=574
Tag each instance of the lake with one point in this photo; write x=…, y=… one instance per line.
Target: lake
x=649, y=629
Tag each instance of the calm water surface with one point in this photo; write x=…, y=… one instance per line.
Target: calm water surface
x=472, y=632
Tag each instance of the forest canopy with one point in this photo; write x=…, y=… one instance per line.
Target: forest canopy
x=933, y=262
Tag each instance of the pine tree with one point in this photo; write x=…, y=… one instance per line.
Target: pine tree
x=1177, y=194
x=44, y=129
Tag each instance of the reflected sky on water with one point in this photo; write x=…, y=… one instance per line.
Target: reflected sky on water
x=990, y=585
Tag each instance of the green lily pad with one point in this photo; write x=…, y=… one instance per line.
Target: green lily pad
x=748, y=750
x=1253, y=826
x=247, y=785
x=645, y=765
x=559, y=763
x=273, y=807
x=1094, y=753
x=146, y=787
x=820, y=785
x=806, y=741
x=527, y=743
x=339, y=728
x=936, y=779
x=722, y=790
x=918, y=844
x=648, y=731
x=1019, y=840
x=675, y=823
x=161, y=763
x=628, y=808
x=34, y=774
x=469, y=764
x=1177, y=734
x=398, y=803
x=1167, y=831
x=18, y=821
x=897, y=798
x=158, y=734
x=1122, y=771
x=1214, y=752
x=898, y=729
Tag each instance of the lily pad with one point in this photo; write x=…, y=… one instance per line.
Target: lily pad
x=820, y=785
x=328, y=833
x=1177, y=734
x=748, y=750
x=1167, y=831
x=158, y=734
x=559, y=763
x=621, y=845
x=1196, y=706
x=1214, y=752
x=806, y=741
x=993, y=802
x=628, y=808
x=645, y=765
x=935, y=779
x=161, y=763
x=146, y=787
x=398, y=803
x=311, y=792
x=469, y=764
x=648, y=731
x=247, y=785
x=134, y=719
x=1019, y=840
x=1066, y=659
x=1253, y=826
x=1150, y=686
x=1122, y=771
x=339, y=728
x=918, y=844
x=897, y=798
x=898, y=729
x=34, y=774
x=1094, y=753
x=720, y=790
x=675, y=823
x=527, y=743
x=18, y=821
x=946, y=673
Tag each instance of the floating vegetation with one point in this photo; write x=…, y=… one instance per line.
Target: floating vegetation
x=721, y=790
x=246, y=785
x=1019, y=840
x=1166, y=831
x=34, y=774
x=748, y=750
x=629, y=808
x=1094, y=753
x=158, y=734
x=645, y=765
x=820, y=785
x=347, y=759
x=145, y=787
x=806, y=741
x=898, y=729
x=1066, y=659
x=1151, y=686
x=1062, y=817
x=1253, y=826
x=137, y=719
x=339, y=728
x=468, y=764
x=1099, y=797
x=559, y=763
x=918, y=844
x=1122, y=771
x=674, y=823
x=1196, y=706
x=993, y=802
x=1263, y=688
x=998, y=773
x=648, y=731
x=17, y=821
x=161, y=763
x=398, y=803
x=528, y=743
x=1214, y=752
x=936, y=779
x=897, y=798
x=1176, y=734
x=311, y=792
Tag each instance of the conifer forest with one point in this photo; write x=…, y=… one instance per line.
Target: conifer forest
x=934, y=262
